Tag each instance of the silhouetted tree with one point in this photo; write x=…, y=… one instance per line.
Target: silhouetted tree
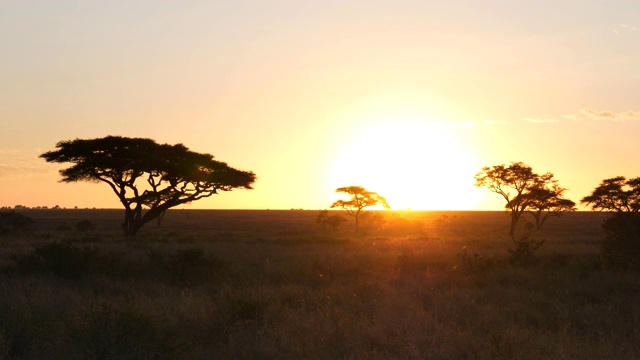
x=517, y=184
x=621, y=197
x=145, y=174
x=547, y=201
x=333, y=221
x=323, y=215
x=360, y=199
x=615, y=194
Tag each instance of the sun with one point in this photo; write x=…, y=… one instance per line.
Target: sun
x=414, y=164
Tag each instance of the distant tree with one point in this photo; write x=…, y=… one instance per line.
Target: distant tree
x=360, y=198
x=333, y=221
x=521, y=188
x=548, y=201
x=620, y=197
x=616, y=195
x=323, y=215
x=145, y=174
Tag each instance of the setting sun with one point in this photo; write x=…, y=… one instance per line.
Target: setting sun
x=414, y=164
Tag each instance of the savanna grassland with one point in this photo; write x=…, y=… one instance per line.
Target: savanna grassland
x=276, y=285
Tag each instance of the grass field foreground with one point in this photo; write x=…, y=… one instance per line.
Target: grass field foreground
x=275, y=285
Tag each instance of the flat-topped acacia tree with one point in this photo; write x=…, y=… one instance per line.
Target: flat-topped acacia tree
x=525, y=191
x=145, y=174
x=360, y=199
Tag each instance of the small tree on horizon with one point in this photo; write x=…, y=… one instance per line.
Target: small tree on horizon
x=146, y=175
x=615, y=194
x=360, y=198
x=525, y=191
x=547, y=201
x=333, y=221
x=512, y=182
x=620, y=197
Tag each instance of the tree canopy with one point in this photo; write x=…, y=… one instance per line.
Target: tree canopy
x=360, y=199
x=621, y=197
x=616, y=194
x=145, y=174
x=548, y=201
x=525, y=191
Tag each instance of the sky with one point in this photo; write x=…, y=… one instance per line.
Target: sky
x=407, y=98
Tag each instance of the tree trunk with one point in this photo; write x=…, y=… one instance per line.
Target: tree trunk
x=132, y=228
x=132, y=222
x=514, y=221
x=539, y=220
x=357, y=222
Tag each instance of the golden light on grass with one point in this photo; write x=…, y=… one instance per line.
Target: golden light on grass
x=415, y=164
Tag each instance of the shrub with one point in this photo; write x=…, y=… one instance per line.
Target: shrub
x=621, y=244
x=64, y=261
x=372, y=221
x=525, y=248
x=85, y=225
x=11, y=222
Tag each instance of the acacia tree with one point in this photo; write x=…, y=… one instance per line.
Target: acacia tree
x=548, y=201
x=146, y=175
x=515, y=183
x=621, y=197
x=616, y=194
x=334, y=221
x=360, y=199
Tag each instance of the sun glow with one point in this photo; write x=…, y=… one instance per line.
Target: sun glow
x=414, y=164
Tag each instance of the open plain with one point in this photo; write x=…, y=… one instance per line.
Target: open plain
x=244, y=284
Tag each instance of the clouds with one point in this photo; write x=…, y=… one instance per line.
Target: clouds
x=630, y=27
x=590, y=114
x=14, y=163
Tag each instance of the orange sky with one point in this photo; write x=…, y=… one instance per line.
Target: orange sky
x=407, y=98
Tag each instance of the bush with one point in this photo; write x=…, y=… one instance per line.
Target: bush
x=85, y=225
x=525, y=249
x=11, y=222
x=621, y=244
x=64, y=261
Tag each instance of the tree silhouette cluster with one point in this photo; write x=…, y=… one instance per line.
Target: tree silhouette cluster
x=525, y=192
x=149, y=178
x=539, y=194
x=620, y=197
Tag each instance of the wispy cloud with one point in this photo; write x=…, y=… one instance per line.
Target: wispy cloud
x=589, y=115
x=608, y=115
x=630, y=27
x=15, y=163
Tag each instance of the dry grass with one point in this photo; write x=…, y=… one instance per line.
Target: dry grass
x=272, y=285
